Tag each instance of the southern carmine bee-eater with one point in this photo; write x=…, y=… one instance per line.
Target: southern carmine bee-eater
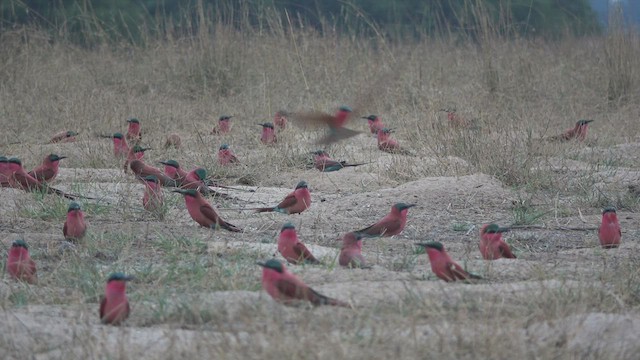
x=120, y=146
x=5, y=171
x=75, y=227
x=64, y=137
x=114, y=307
x=442, y=265
x=268, y=135
x=388, y=144
x=17, y=178
x=609, y=232
x=375, y=123
x=226, y=156
x=174, y=141
x=292, y=249
x=173, y=170
x=392, y=224
x=296, y=202
x=20, y=266
x=491, y=245
x=224, y=125
x=351, y=252
x=140, y=170
x=152, y=200
x=335, y=123
x=133, y=130
x=202, y=212
x=136, y=152
x=578, y=132
x=456, y=120
x=323, y=162
x=280, y=119
x=288, y=289
x=48, y=170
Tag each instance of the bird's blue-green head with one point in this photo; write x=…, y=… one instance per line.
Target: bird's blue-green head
x=345, y=108
x=432, y=245
x=15, y=160
x=20, y=243
x=171, y=163
x=54, y=157
x=224, y=147
x=118, y=136
x=138, y=148
x=4, y=159
x=201, y=173
x=118, y=276
x=287, y=226
x=370, y=117
x=267, y=125
x=133, y=120
x=402, y=206
x=609, y=209
x=186, y=192
x=225, y=117
x=73, y=206
x=272, y=264
x=71, y=133
x=302, y=184
x=494, y=229
x=151, y=178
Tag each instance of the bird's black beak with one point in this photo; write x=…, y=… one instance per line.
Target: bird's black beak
x=261, y=263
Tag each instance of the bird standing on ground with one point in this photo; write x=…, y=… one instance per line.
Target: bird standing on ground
x=351, y=252
x=296, y=202
x=392, y=224
x=75, y=227
x=64, y=137
x=48, y=170
x=388, y=144
x=268, y=135
x=226, y=156
x=134, y=133
x=323, y=162
x=20, y=266
x=202, y=212
x=578, y=132
x=442, y=265
x=114, y=307
x=491, y=245
x=292, y=249
x=375, y=123
x=280, y=119
x=224, y=125
x=288, y=289
x=152, y=200
x=609, y=232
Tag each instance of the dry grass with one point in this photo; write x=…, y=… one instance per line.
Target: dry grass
x=197, y=293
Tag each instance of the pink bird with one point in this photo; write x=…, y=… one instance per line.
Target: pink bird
x=442, y=265
x=152, y=200
x=375, y=123
x=20, y=266
x=74, y=227
x=226, y=156
x=351, y=252
x=173, y=170
x=609, y=232
x=173, y=140
x=288, y=289
x=120, y=146
x=202, y=212
x=323, y=162
x=17, y=178
x=280, y=119
x=491, y=245
x=296, y=202
x=135, y=153
x=388, y=144
x=268, y=134
x=292, y=249
x=392, y=224
x=64, y=137
x=133, y=130
x=578, y=132
x=224, y=125
x=48, y=170
x=114, y=307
